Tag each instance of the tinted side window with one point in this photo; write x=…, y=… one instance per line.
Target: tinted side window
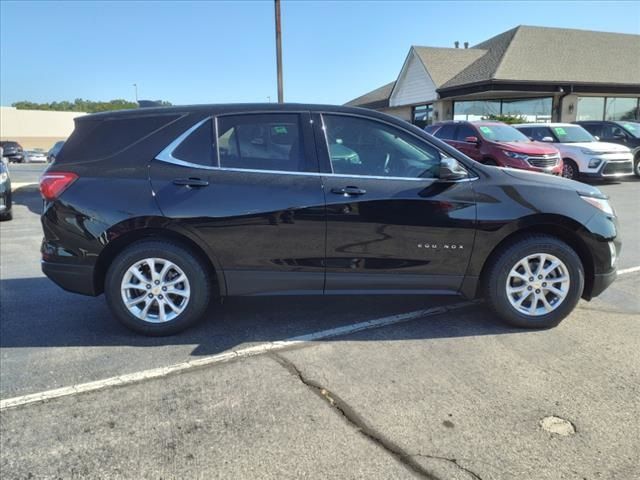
x=359, y=146
x=593, y=129
x=198, y=147
x=465, y=131
x=526, y=131
x=447, y=131
x=261, y=142
x=611, y=131
x=538, y=133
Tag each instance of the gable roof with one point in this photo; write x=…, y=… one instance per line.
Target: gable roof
x=378, y=98
x=443, y=64
x=544, y=54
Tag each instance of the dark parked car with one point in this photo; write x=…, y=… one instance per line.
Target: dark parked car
x=165, y=208
x=5, y=192
x=498, y=144
x=53, y=152
x=12, y=151
x=622, y=132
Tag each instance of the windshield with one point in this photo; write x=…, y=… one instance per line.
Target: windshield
x=572, y=134
x=501, y=133
x=632, y=127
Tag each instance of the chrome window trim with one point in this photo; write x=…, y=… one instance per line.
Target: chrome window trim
x=166, y=155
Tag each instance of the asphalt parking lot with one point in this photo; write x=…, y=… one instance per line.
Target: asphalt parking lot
x=444, y=393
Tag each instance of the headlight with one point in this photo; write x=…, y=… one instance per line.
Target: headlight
x=586, y=151
x=4, y=176
x=519, y=156
x=601, y=204
x=594, y=162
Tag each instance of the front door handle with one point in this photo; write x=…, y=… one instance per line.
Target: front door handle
x=191, y=182
x=346, y=191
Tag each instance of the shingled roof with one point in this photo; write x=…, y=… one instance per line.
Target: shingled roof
x=378, y=98
x=544, y=54
x=445, y=63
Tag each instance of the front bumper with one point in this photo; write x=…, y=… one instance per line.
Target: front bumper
x=613, y=168
x=72, y=278
x=601, y=282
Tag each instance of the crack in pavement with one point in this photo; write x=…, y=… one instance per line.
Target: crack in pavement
x=450, y=460
x=351, y=416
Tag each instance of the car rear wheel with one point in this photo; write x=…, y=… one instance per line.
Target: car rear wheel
x=535, y=282
x=157, y=288
x=570, y=169
x=636, y=169
x=491, y=162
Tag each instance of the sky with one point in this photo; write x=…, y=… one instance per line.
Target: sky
x=190, y=52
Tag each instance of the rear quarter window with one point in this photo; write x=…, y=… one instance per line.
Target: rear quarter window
x=95, y=139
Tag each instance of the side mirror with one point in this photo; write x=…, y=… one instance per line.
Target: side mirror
x=472, y=140
x=619, y=136
x=597, y=138
x=547, y=139
x=450, y=169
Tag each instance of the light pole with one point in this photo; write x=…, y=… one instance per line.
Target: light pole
x=279, y=51
x=135, y=89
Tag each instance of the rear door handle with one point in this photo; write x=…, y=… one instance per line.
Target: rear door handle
x=346, y=191
x=191, y=182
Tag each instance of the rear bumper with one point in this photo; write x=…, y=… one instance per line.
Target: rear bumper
x=72, y=278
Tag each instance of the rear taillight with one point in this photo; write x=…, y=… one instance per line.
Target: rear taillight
x=52, y=184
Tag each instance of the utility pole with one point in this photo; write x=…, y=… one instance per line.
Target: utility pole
x=135, y=89
x=279, y=51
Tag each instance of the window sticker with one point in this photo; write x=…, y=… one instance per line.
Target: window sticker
x=486, y=130
x=280, y=130
x=559, y=131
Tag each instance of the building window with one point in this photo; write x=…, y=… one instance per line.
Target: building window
x=590, y=108
x=536, y=110
x=608, y=108
x=475, y=109
x=423, y=115
x=621, y=108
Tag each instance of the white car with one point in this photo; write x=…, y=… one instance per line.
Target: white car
x=32, y=156
x=582, y=154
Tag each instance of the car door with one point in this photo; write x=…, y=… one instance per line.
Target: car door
x=470, y=149
x=391, y=225
x=248, y=185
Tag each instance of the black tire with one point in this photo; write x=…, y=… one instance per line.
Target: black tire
x=498, y=273
x=570, y=169
x=636, y=165
x=6, y=216
x=197, y=275
x=491, y=162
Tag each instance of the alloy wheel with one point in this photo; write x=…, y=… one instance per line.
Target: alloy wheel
x=538, y=284
x=155, y=290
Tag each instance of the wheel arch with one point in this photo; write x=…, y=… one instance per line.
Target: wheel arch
x=123, y=235
x=567, y=231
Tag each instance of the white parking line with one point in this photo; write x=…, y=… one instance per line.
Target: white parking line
x=628, y=270
x=225, y=357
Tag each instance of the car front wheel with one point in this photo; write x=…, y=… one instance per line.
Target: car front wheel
x=570, y=169
x=535, y=282
x=157, y=288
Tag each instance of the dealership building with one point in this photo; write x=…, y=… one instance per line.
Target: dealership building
x=540, y=73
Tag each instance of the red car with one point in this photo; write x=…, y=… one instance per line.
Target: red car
x=496, y=143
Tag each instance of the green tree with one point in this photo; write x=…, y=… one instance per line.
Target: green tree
x=81, y=105
x=508, y=119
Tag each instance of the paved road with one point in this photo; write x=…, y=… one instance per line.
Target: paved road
x=448, y=396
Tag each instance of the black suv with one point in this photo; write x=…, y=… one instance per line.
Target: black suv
x=162, y=209
x=12, y=151
x=622, y=132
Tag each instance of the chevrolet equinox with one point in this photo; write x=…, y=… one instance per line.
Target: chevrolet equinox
x=162, y=209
